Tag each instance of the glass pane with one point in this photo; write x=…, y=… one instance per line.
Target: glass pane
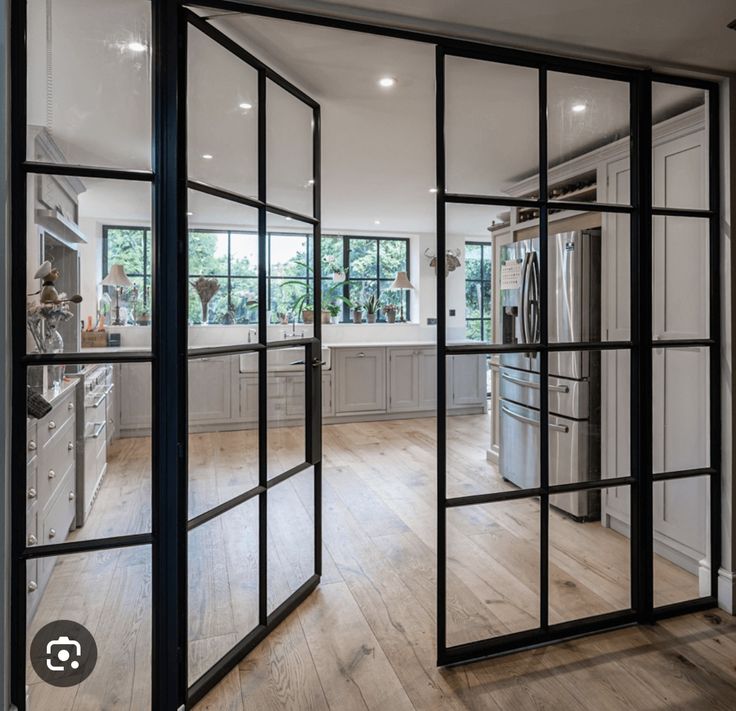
x=471, y=279
x=287, y=430
x=584, y=114
x=89, y=259
x=679, y=147
x=223, y=243
x=290, y=171
x=589, y=431
x=223, y=584
x=393, y=255
x=88, y=452
x=109, y=593
x=485, y=103
x=291, y=280
x=89, y=82
x=680, y=409
x=222, y=117
x=223, y=429
x=332, y=261
x=290, y=536
x=681, y=540
x=484, y=450
x=363, y=259
x=492, y=570
x=589, y=560
x=680, y=257
x=589, y=277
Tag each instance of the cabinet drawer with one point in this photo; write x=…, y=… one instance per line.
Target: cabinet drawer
x=56, y=458
x=31, y=439
x=60, y=514
x=50, y=426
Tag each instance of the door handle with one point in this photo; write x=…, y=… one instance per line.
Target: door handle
x=535, y=423
x=534, y=386
x=522, y=305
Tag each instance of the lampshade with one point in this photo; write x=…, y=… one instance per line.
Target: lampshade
x=401, y=282
x=117, y=277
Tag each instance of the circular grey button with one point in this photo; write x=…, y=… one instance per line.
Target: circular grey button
x=63, y=653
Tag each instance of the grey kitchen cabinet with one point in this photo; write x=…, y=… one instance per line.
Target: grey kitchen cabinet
x=403, y=379
x=328, y=403
x=209, y=389
x=466, y=381
x=134, y=395
x=361, y=380
x=249, y=399
x=427, y=379
x=680, y=420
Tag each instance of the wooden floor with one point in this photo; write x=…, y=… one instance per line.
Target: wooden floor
x=365, y=638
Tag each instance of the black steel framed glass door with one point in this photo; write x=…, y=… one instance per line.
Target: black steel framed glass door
x=581, y=524
x=253, y=151
x=177, y=515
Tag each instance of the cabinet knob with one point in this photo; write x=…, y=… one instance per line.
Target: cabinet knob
x=32, y=493
x=52, y=425
x=32, y=586
x=71, y=496
x=52, y=533
x=52, y=474
x=32, y=445
x=70, y=446
x=70, y=406
x=32, y=540
x=361, y=355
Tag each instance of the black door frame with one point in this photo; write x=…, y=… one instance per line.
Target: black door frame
x=169, y=355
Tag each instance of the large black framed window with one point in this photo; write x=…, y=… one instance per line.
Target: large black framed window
x=229, y=256
x=478, y=288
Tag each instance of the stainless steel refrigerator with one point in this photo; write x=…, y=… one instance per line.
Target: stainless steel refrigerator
x=574, y=315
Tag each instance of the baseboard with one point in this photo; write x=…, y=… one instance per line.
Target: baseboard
x=727, y=590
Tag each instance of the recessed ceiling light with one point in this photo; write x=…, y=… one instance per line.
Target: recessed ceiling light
x=310, y=181
x=137, y=47
x=189, y=214
x=577, y=108
x=376, y=222
x=386, y=82
x=206, y=156
x=289, y=218
x=433, y=190
x=245, y=106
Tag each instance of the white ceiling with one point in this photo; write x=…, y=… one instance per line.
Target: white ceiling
x=378, y=145
x=661, y=33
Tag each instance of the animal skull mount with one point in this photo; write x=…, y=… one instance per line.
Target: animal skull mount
x=452, y=260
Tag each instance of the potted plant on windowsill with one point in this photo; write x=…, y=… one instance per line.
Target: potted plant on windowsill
x=331, y=297
x=371, y=308
x=389, y=311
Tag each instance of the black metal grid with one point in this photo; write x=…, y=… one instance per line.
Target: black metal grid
x=640, y=348
x=169, y=354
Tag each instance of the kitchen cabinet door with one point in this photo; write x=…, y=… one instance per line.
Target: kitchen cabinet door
x=403, y=380
x=209, y=390
x=468, y=383
x=361, y=380
x=135, y=395
x=328, y=404
x=427, y=379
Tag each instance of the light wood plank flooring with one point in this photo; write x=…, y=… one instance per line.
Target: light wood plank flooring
x=365, y=638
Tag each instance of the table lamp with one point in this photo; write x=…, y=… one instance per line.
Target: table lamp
x=401, y=283
x=118, y=279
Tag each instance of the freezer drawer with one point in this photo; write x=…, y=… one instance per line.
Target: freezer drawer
x=567, y=398
x=573, y=455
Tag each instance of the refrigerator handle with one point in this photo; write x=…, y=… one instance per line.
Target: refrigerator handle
x=523, y=305
x=535, y=423
x=535, y=303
